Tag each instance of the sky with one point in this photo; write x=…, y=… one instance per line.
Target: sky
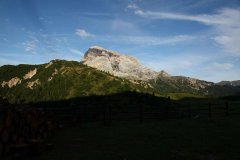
x=193, y=38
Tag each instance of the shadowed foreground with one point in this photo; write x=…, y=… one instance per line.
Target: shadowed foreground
x=200, y=139
x=97, y=127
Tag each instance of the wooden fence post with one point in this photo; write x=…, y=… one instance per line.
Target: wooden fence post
x=141, y=113
x=107, y=115
x=104, y=115
x=167, y=111
x=189, y=111
x=227, y=109
x=110, y=113
x=81, y=114
x=209, y=110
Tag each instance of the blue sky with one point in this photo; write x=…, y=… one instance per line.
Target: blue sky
x=195, y=38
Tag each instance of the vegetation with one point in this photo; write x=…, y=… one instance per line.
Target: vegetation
x=197, y=138
x=61, y=80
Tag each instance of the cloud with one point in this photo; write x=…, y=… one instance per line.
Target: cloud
x=125, y=27
x=225, y=23
x=218, y=71
x=176, y=64
x=75, y=51
x=132, y=6
x=196, y=66
x=83, y=34
x=149, y=40
x=217, y=67
x=30, y=46
x=5, y=39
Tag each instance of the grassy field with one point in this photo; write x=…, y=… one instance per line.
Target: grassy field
x=177, y=139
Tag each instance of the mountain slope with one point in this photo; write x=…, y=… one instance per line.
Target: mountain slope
x=180, y=84
x=229, y=83
x=128, y=67
x=117, y=64
x=57, y=80
x=112, y=73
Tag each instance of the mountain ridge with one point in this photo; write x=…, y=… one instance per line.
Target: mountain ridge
x=230, y=83
x=113, y=63
x=117, y=64
x=61, y=79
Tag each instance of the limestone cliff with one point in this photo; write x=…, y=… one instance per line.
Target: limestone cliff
x=117, y=64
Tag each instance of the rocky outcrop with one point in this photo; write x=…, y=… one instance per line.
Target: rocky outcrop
x=117, y=64
x=128, y=67
x=163, y=74
x=33, y=84
x=229, y=83
x=12, y=82
x=192, y=82
x=30, y=74
x=48, y=64
x=53, y=74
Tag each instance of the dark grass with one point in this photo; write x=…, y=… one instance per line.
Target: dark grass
x=180, y=139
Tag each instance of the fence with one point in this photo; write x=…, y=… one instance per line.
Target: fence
x=20, y=128
x=22, y=131
x=108, y=113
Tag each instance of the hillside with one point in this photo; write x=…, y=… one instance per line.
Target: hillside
x=229, y=83
x=102, y=72
x=124, y=66
x=58, y=80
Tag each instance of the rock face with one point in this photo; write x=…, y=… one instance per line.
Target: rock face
x=229, y=83
x=128, y=67
x=117, y=64
x=163, y=74
x=53, y=74
x=12, y=82
x=32, y=84
x=30, y=74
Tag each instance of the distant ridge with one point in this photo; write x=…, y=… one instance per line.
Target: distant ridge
x=102, y=72
x=128, y=67
x=230, y=83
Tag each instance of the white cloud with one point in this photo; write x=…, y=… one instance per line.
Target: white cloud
x=216, y=71
x=82, y=33
x=5, y=39
x=124, y=27
x=30, y=46
x=132, y=6
x=176, y=64
x=75, y=51
x=149, y=40
x=195, y=66
x=217, y=67
x=226, y=24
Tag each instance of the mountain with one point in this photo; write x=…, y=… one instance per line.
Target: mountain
x=101, y=72
x=58, y=80
x=229, y=83
x=181, y=84
x=117, y=64
x=129, y=68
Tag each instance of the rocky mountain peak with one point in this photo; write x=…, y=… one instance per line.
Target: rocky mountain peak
x=117, y=64
x=96, y=51
x=229, y=83
x=163, y=73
